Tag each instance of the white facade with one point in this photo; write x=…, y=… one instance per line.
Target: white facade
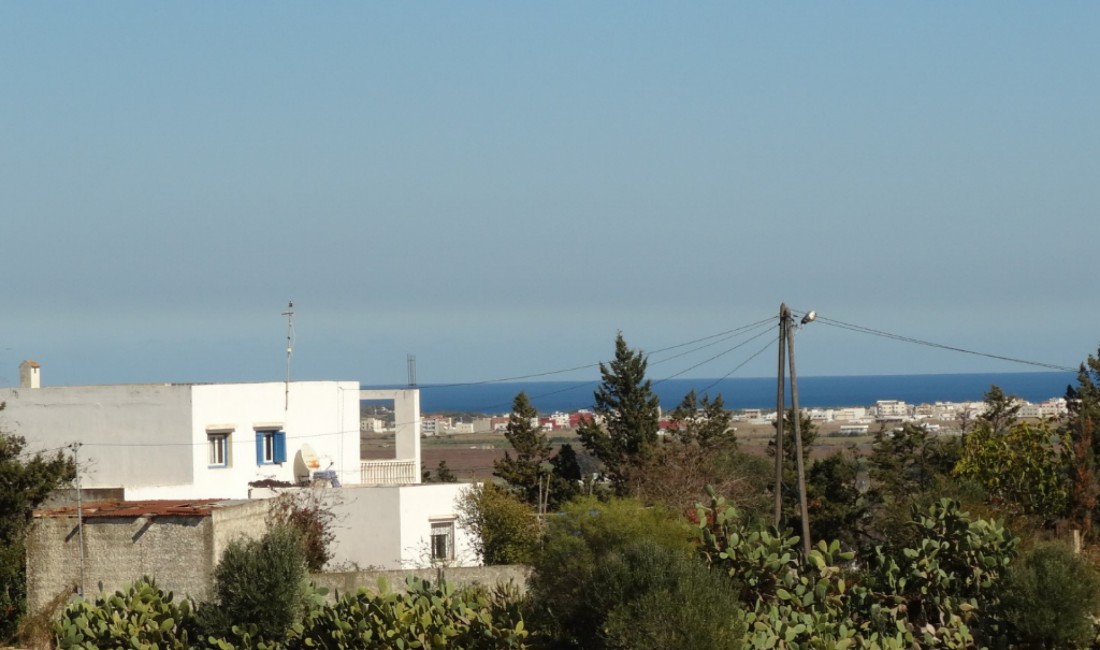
x=209, y=441
x=372, y=425
x=193, y=441
x=889, y=408
x=392, y=527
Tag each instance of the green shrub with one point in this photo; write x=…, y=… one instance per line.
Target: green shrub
x=504, y=528
x=577, y=541
x=306, y=512
x=950, y=577
x=943, y=590
x=1049, y=598
x=651, y=597
x=142, y=616
x=260, y=588
x=423, y=617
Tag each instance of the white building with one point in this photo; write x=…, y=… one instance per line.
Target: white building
x=210, y=441
x=891, y=409
x=1054, y=408
x=193, y=441
x=400, y=527
x=851, y=413
x=372, y=425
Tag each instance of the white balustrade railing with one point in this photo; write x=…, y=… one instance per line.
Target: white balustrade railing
x=387, y=472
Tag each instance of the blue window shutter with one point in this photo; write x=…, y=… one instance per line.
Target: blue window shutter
x=280, y=446
x=259, y=447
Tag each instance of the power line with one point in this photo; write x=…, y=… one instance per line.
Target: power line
x=909, y=339
x=727, y=333
x=720, y=354
x=739, y=366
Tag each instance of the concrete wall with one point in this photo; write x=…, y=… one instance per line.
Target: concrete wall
x=241, y=519
x=367, y=526
x=178, y=551
x=339, y=584
x=131, y=434
x=181, y=552
x=389, y=527
x=422, y=504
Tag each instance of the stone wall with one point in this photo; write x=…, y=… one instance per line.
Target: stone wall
x=241, y=519
x=349, y=582
x=177, y=551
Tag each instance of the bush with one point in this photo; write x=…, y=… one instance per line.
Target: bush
x=652, y=597
x=260, y=587
x=504, y=527
x=305, y=512
x=422, y=617
x=1049, y=597
x=577, y=541
x=141, y=616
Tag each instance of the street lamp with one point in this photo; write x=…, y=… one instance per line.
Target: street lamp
x=786, y=348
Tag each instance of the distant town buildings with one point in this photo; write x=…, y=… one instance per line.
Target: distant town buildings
x=855, y=419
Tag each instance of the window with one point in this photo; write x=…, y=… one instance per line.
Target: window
x=219, y=448
x=270, y=447
x=443, y=540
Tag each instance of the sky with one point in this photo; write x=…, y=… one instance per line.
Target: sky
x=500, y=188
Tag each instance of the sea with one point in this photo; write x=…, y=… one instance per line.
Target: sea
x=752, y=392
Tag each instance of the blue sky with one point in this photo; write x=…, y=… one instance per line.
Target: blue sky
x=498, y=188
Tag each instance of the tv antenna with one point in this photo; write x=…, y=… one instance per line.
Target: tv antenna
x=289, y=313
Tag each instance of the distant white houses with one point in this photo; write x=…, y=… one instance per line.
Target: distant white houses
x=372, y=425
x=891, y=409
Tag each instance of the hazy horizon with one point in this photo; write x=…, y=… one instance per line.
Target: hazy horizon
x=498, y=189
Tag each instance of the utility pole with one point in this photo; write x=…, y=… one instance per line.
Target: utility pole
x=780, y=407
x=79, y=511
x=786, y=341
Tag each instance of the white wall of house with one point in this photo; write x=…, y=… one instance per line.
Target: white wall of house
x=389, y=527
x=420, y=506
x=152, y=440
x=321, y=414
x=367, y=521
x=131, y=435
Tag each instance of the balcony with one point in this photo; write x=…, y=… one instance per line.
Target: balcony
x=388, y=472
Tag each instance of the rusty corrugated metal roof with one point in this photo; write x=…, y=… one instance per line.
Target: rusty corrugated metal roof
x=166, y=508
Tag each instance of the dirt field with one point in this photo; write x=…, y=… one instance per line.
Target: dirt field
x=471, y=456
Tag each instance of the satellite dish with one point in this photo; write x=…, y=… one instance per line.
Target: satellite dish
x=306, y=462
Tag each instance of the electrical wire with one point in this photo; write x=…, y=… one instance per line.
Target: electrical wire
x=738, y=366
x=909, y=339
x=727, y=333
x=720, y=354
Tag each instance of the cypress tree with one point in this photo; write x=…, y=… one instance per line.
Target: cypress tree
x=625, y=428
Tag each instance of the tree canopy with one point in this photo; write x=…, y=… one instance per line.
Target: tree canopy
x=25, y=482
x=625, y=429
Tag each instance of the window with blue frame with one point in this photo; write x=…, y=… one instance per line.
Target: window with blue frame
x=270, y=447
x=218, y=443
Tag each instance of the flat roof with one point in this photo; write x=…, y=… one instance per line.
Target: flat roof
x=135, y=509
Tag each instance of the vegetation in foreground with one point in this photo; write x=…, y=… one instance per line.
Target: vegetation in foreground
x=925, y=542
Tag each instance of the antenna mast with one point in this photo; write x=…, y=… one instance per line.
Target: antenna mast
x=289, y=313
x=410, y=359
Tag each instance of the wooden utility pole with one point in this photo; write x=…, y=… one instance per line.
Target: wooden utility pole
x=786, y=347
x=780, y=406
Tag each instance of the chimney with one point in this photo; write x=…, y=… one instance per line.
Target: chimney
x=30, y=374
